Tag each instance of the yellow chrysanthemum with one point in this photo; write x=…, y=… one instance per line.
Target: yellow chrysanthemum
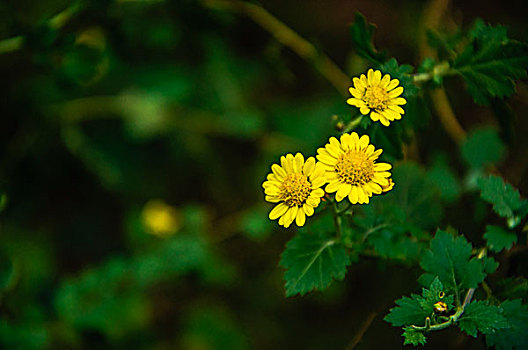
x=351, y=168
x=377, y=96
x=295, y=186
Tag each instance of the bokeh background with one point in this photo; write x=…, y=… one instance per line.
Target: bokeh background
x=134, y=138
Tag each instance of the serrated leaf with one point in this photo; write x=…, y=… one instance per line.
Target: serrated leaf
x=407, y=311
x=482, y=317
x=415, y=309
x=403, y=73
x=311, y=262
x=490, y=63
x=482, y=147
x=505, y=198
x=362, y=33
x=449, y=258
x=413, y=337
x=499, y=238
x=515, y=336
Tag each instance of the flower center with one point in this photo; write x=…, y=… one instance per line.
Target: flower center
x=354, y=167
x=295, y=190
x=375, y=98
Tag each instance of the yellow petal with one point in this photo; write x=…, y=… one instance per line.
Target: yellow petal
x=374, y=187
x=393, y=83
x=375, y=116
x=272, y=191
x=278, y=211
x=326, y=158
x=359, y=84
x=317, y=193
x=319, y=171
x=370, y=76
x=281, y=220
x=272, y=199
x=396, y=92
x=320, y=181
x=376, y=154
x=292, y=213
x=382, y=166
x=399, y=101
x=298, y=163
x=384, y=121
x=287, y=163
x=364, y=141
x=300, y=219
x=333, y=150
x=396, y=109
x=308, y=209
x=346, y=142
x=313, y=201
x=364, y=110
x=343, y=191
x=309, y=166
x=356, y=93
x=385, y=81
x=278, y=171
x=353, y=195
x=376, y=78
x=333, y=186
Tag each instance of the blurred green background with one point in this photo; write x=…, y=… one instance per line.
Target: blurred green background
x=134, y=139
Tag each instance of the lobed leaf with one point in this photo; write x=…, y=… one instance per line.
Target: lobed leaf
x=312, y=261
x=505, y=198
x=482, y=317
x=515, y=335
x=413, y=337
x=490, y=63
x=362, y=33
x=449, y=258
x=499, y=238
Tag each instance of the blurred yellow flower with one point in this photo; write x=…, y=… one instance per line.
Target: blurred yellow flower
x=377, y=96
x=160, y=219
x=295, y=186
x=351, y=168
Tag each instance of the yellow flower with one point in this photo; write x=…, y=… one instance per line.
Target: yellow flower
x=377, y=96
x=351, y=168
x=295, y=186
x=160, y=219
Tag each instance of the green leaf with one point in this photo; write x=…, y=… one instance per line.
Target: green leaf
x=413, y=337
x=408, y=311
x=515, y=336
x=449, y=258
x=482, y=317
x=415, y=309
x=362, y=33
x=311, y=262
x=482, y=147
x=403, y=73
x=499, y=238
x=505, y=198
x=490, y=63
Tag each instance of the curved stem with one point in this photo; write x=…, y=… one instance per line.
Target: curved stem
x=337, y=219
x=286, y=36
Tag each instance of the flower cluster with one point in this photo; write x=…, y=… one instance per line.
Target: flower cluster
x=347, y=166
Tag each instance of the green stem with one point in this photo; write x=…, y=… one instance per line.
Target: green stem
x=442, y=69
x=337, y=219
x=352, y=124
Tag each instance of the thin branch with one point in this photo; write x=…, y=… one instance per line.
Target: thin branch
x=288, y=38
x=432, y=17
x=361, y=331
